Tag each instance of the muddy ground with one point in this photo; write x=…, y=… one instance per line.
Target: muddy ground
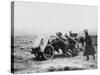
x=25, y=62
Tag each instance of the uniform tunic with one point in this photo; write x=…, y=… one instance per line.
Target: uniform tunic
x=89, y=49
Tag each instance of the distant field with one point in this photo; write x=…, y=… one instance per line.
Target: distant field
x=25, y=41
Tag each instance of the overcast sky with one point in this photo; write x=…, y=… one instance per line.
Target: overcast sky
x=36, y=18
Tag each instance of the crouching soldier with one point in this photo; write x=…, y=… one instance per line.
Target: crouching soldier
x=59, y=36
x=89, y=49
x=71, y=45
x=71, y=42
x=60, y=41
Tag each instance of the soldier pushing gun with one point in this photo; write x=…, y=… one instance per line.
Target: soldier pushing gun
x=89, y=49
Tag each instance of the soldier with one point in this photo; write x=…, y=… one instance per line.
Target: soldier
x=67, y=37
x=81, y=40
x=60, y=37
x=59, y=34
x=89, y=50
x=71, y=41
x=60, y=42
x=70, y=33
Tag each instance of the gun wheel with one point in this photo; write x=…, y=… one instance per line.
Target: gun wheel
x=48, y=52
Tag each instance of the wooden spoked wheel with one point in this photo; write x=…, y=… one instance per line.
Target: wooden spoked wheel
x=48, y=52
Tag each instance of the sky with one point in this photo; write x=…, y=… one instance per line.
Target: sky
x=38, y=18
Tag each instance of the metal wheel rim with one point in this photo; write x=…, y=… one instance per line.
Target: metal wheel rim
x=48, y=54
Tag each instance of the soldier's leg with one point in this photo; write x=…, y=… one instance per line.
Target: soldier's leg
x=93, y=56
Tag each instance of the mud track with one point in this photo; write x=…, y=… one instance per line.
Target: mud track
x=27, y=63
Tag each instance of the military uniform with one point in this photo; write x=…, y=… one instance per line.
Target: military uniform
x=89, y=50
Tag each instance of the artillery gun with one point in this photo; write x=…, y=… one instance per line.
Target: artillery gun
x=45, y=47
